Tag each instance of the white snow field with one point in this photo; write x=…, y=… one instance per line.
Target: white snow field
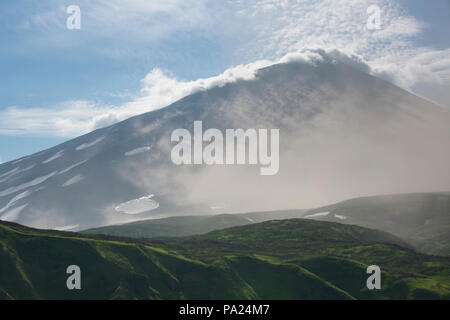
x=137, y=206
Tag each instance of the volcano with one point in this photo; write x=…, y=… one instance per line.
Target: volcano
x=343, y=133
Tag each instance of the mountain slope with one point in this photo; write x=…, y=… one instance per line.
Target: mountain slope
x=421, y=219
x=291, y=259
x=343, y=133
x=189, y=225
x=335, y=252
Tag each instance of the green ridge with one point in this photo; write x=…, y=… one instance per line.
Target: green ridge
x=287, y=259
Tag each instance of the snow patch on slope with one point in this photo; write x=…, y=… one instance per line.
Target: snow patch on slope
x=137, y=206
x=315, y=215
x=54, y=157
x=73, y=180
x=72, y=166
x=88, y=145
x=137, y=151
x=15, y=199
x=216, y=207
x=15, y=172
x=9, y=172
x=26, y=184
x=66, y=228
x=20, y=160
x=13, y=214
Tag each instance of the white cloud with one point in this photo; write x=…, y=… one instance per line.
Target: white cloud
x=272, y=28
x=68, y=119
x=158, y=90
x=422, y=65
x=134, y=20
x=292, y=25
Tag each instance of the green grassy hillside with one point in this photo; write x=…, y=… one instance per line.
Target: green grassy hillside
x=421, y=219
x=337, y=253
x=190, y=225
x=290, y=259
x=34, y=263
x=172, y=227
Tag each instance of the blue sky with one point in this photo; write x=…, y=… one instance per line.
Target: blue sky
x=126, y=59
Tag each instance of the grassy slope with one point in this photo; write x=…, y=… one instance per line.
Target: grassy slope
x=190, y=225
x=421, y=219
x=171, y=227
x=34, y=263
x=291, y=259
x=336, y=253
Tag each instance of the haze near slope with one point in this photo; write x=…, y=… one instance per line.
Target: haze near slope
x=190, y=225
x=423, y=220
x=343, y=133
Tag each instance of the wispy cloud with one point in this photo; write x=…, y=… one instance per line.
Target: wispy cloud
x=158, y=90
x=273, y=28
x=133, y=21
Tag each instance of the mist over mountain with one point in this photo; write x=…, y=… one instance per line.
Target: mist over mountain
x=422, y=219
x=343, y=133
